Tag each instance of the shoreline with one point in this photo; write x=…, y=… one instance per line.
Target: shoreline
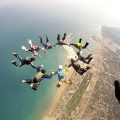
x=52, y=107
x=49, y=114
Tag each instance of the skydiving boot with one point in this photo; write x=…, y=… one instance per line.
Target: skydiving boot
x=59, y=84
x=15, y=54
x=24, y=81
x=14, y=62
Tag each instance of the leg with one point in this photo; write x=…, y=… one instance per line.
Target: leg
x=19, y=58
x=16, y=55
x=90, y=60
x=47, y=39
x=64, y=36
x=82, y=71
x=86, y=44
x=58, y=37
x=34, y=86
x=88, y=57
x=29, y=81
x=41, y=42
x=14, y=63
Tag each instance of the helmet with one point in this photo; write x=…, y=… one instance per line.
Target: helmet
x=32, y=58
x=78, y=53
x=60, y=67
x=43, y=71
x=50, y=46
x=72, y=60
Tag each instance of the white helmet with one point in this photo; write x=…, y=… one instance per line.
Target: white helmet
x=60, y=67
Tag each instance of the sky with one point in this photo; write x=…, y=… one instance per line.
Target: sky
x=106, y=9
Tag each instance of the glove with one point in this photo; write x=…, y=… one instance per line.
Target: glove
x=41, y=65
x=23, y=47
x=52, y=72
x=42, y=48
x=29, y=41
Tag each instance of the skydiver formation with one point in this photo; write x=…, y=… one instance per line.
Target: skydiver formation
x=61, y=72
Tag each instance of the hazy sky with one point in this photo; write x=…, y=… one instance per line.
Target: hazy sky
x=106, y=9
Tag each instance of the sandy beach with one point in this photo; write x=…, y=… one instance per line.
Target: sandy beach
x=50, y=111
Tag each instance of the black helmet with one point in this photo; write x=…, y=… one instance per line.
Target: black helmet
x=72, y=60
x=78, y=53
x=33, y=58
x=43, y=71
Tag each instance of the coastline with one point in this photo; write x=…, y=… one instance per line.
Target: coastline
x=49, y=114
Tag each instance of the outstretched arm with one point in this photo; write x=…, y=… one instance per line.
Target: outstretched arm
x=37, y=68
x=80, y=40
x=24, y=48
x=44, y=50
x=69, y=65
x=30, y=42
x=47, y=76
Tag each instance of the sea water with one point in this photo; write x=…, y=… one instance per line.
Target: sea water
x=18, y=24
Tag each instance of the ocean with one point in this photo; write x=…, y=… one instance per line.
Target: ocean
x=19, y=22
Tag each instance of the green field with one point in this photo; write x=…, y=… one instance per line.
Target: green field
x=75, y=100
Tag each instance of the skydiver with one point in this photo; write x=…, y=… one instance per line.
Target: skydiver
x=77, y=67
x=61, y=42
x=117, y=90
x=33, y=49
x=40, y=76
x=24, y=61
x=79, y=45
x=86, y=60
x=46, y=45
x=62, y=75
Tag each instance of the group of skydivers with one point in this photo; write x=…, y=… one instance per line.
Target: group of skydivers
x=41, y=73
